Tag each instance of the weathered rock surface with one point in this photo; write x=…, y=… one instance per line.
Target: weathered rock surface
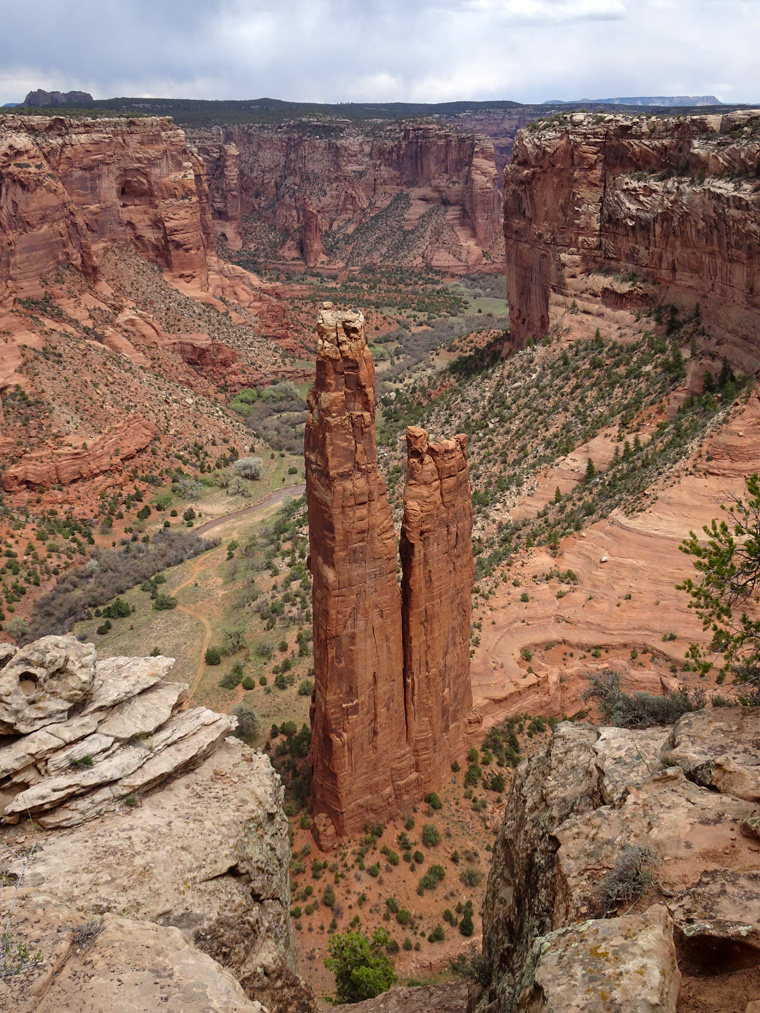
x=718, y=748
x=112, y=963
x=590, y=197
x=417, y=193
x=361, y=762
x=436, y=588
x=719, y=919
x=451, y=997
x=392, y=674
x=596, y=798
x=64, y=464
x=191, y=841
x=92, y=732
x=627, y=964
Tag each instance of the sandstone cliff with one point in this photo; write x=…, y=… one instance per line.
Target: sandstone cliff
x=413, y=193
x=392, y=678
x=622, y=855
x=436, y=587
x=160, y=850
x=69, y=185
x=624, y=213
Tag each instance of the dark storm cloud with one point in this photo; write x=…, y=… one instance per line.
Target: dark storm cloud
x=332, y=50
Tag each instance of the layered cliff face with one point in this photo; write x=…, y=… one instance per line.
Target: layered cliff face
x=392, y=687
x=624, y=856
x=68, y=186
x=436, y=586
x=618, y=214
x=416, y=193
x=184, y=887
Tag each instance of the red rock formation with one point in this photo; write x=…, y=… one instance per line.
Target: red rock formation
x=391, y=694
x=646, y=199
x=423, y=190
x=361, y=763
x=437, y=567
x=66, y=464
x=311, y=236
x=70, y=185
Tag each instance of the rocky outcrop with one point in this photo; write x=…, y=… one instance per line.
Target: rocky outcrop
x=361, y=762
x=607, y=827
x=414, y=193
x=625, y=213
x=41, y=99
x=66, y=464
x=392, y=688
x=193, y=849
x=436, y=588
x=70, y=185
x=311, y=235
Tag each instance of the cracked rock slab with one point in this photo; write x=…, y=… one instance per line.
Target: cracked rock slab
x=623, y=964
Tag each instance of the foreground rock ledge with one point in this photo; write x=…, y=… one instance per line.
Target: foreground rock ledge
x=193, y=862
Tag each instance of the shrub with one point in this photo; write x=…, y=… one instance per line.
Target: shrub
x=233, y=678
x=249, y=683
x=638, y=710
x=249, y=467
x=164, y=602
x=437, y=934
x=431, y=879
x=213, y=656
x=248, y=725
x=470, y=876
x=328, y=897
x=430, y=835
x=630, y=878
x=419, y=858
x=403, y=916
x=433, y=801
x=361, y=969
x=305, y=687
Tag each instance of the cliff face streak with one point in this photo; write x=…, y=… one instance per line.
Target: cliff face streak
x=416, y=193
x=390, y=695
x=671, y=205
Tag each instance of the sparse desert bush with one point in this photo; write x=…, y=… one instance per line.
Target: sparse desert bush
x=639, y=710
x=249, y=467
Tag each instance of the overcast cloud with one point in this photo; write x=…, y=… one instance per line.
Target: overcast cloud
x=365, y=50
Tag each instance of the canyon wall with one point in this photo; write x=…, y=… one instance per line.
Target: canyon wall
x=392, y=678
x=68, y=186
x=610, y=213
x=410, y=193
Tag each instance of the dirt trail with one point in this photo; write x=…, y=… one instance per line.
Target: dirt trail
x=206, y=561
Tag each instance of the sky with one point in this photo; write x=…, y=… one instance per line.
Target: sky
x=382, y=50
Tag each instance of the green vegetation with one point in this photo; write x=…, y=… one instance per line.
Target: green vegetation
x=361, y=969
x=728, y=568
x=639, y=710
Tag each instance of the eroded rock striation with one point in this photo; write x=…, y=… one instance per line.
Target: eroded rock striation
x=66, y=464
x=159, y=842
x=620, y=213
x=392, y=685
x=436, y=587
x=622, y=852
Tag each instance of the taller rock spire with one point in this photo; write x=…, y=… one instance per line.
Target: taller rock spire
x=361, y=763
